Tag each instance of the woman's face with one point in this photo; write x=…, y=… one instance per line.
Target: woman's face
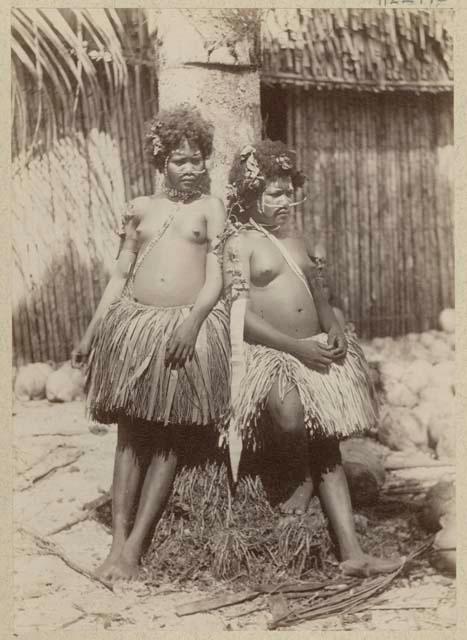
x=275, y=202
x=185, y=167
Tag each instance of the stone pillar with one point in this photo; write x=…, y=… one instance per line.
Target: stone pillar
x=208, y=58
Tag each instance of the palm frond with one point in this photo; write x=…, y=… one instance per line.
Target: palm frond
x=59, y=57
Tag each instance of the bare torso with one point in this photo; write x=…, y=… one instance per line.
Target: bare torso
x=174, y=270
x=276, y=293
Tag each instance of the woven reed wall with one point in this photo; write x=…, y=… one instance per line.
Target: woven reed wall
x=380, y=201
x=67, y=201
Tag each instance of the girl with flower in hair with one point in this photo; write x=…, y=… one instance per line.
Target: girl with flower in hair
x=157, y=347
x=292, y=362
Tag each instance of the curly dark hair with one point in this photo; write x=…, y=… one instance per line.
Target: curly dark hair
x=273, y=159
x=171, y=126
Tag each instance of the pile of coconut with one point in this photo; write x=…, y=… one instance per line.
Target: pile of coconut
x=40, y=380
x=415, y=375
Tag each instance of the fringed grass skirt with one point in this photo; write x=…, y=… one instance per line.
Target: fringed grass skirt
x=339, y=403
x=127, y=375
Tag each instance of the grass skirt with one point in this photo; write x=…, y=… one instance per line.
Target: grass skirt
x=127, y=374
x=339, y=403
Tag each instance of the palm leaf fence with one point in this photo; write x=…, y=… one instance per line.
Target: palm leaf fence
x=82, y=89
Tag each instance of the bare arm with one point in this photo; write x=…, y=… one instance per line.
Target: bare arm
x=317, y=282
x=125, y=259
x=328, y=320
x=326, y=315
x=182, y=344
x=212, y=288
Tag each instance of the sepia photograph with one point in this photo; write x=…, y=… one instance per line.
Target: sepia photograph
x=233, y=319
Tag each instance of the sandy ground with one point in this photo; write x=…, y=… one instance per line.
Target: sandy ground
x=60, y=466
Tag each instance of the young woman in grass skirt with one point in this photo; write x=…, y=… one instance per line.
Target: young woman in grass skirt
x=157, y=348
x=292, y=361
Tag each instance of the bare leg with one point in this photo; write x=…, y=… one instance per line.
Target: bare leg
x=155, y=491
x=287, y=415
x=131, y=458
x=334, y=493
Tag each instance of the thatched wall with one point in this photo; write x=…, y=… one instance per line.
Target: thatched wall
x=67, y=198
x=380, y=201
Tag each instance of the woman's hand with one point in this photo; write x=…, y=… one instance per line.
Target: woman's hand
x=80, y=354
x=337, y=341
x=314, y=354
x=181, y=345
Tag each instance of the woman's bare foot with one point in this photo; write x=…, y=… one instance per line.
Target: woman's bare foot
x=126, y=566
x=364, y=566
x=105, y=570
x=124, y=569
x=299, y=501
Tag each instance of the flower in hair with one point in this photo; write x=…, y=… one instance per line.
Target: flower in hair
x=253, y=176
x=156, y=145
x=284, y=162
x=231, y=191
x=247, y=151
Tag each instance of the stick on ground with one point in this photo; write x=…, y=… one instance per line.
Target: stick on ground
x=49, y=472
x=215, y=602
x=89, y=511
x=50, y=548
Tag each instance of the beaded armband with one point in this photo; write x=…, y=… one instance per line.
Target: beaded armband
x=127, y=215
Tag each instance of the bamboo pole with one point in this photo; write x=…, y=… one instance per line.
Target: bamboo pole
x=371, y=191
x=437, y=216
x=351, y=249
x=408, y=215
x=358, y=226
x=442, y=209
x=332, y=189
x=411, y=293
x=299, y=98
x=315, y=192
x=445, y=144
x=307, y=168
x=431, y=273
x=394, y=214
x=372, y=204
x=365, y=266
x=400, y=283
x=417, y=208
x=365, y=253
x=383, y=262
x=398, y=222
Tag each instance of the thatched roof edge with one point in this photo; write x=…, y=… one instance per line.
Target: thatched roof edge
x=370, y=49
